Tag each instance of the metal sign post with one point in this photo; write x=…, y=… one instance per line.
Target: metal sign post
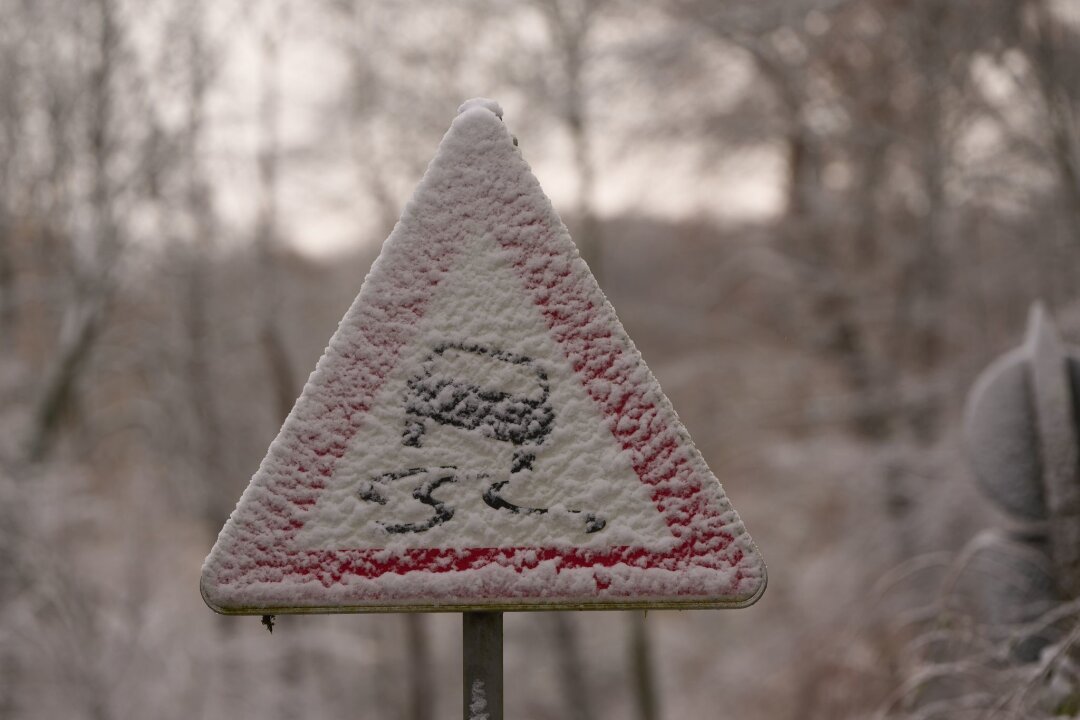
x=482, y=669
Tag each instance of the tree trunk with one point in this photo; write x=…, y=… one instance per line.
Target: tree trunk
x=421, y=679
x=86, y=312
x=571, y=668
x=275, y=351
x=921, y=311
x=7, y=277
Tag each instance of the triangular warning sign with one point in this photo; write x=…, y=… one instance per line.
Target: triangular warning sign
x=481, y=432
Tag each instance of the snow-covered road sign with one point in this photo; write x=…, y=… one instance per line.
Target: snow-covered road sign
x=481, y=432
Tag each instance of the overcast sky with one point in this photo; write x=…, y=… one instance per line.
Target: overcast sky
x=323, y=209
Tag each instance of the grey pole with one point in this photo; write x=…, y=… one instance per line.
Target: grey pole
x=482, y=671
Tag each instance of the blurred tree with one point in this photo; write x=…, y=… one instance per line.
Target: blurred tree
x=267, y=232
x=1053, y=48
x=571, y=26
x=195, y=219
x=12, y=79
x=95, y=257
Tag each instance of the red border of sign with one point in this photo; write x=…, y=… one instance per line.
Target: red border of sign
x=365, y=351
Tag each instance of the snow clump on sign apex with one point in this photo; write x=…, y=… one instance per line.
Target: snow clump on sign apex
x=479, y=102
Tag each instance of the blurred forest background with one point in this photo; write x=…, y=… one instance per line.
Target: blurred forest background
x=818, y=219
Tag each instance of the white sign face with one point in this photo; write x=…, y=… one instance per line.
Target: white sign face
x=485, y=410
x=481, y=433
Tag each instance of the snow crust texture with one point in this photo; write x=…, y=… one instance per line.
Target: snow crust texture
x=481, y=432
x=478, y=701
x=485, y=103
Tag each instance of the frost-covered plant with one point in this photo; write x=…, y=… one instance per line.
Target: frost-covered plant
x=963, y=662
